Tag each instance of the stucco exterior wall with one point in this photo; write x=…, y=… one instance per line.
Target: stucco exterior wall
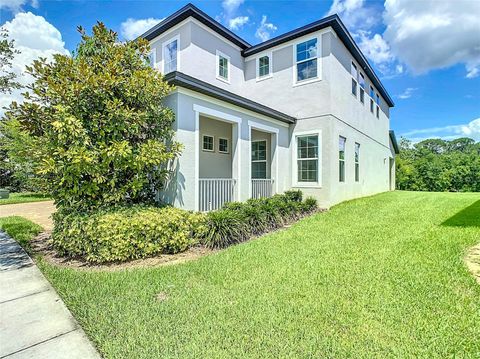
x=215, y=164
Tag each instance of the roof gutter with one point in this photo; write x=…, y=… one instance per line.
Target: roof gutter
x=182, y=80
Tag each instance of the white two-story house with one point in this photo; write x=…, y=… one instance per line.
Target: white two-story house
x=303, y=110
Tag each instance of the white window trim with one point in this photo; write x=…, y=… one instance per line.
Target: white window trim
x=164, y=44
x=154, y=53
x=344, y=160
x=261, y=161
x=228, y=145
x=217, y=67
x=295, y=181
x=319, y=62
x=213, y=142
x=356, y=161
x=270, y=66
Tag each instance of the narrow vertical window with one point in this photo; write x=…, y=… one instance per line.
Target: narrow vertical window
x=151, y=59
x=341, y=158
x=264, y=66
x=354, y=73
x=307, y=158
x=362, y=88
x=306, y=60
x=357, y=162
x=372, y=93
x=223, y=66
x=170, y=54
x=378, y=105
x=259, y=159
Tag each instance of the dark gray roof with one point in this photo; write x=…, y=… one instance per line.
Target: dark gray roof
x=332, y=20
x=393, y=139
x=193, y=11
x=182, y=80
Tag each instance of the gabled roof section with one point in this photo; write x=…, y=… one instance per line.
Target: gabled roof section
x=248, y=50
x=182, y=80
x=342, y=32
x=191, y=10
x=393, y=139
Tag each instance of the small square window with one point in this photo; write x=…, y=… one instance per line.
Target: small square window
x=207, y=143
x=223, y=145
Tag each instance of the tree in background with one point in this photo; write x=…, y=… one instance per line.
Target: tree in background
x=93, y=127
x=439, y=165
x=8, y=83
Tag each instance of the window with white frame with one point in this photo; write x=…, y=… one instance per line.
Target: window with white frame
x=307, y=158
x=372, y=92
x=223, y=66
x=306, y=60
x=357, y=162
x=264, y=66
x=208, y=143
x=223, y=145
x=362, y=88
x=341, y=158
x=152, y=59
x=354, y=73
x=259, y=159
x=170, y=56
x=378, y=105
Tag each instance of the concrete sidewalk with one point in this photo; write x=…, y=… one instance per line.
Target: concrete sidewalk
x=34, y=322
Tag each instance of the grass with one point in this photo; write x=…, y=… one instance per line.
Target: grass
x=379, y=277
x=21, y=229
x=24, y=197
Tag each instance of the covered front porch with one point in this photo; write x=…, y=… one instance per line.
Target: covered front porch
x=232, y=167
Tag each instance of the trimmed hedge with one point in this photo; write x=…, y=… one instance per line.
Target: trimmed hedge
x=237, y=222
x=124, y=233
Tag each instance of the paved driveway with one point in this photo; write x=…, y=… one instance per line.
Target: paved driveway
x=38, y=212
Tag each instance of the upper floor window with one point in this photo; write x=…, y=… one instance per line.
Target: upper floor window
x=378, y=105
x=306, y=60
x=354, y=73
x=151, y=59
x=170, y=55
x=371, y=99
x=307, y=158
x=264, y=66
x=341, y=158
x=223, y=67
x=362, y=87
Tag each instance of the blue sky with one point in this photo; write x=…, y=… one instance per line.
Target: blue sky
x=429, y=64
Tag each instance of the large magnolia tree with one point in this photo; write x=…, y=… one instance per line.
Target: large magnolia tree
x=93, y=126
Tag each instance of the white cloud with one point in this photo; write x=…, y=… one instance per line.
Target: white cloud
x=471, y=130
x=231, y=6
x=16, y=6
x=407, y=93
x=264, y=31
x=34, y=37
x=375, y=47
x=237, y=22
x=430, y=34
x=132, y=28
x=354, y=14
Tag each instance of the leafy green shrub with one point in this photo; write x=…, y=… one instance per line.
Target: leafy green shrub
x=309, y=205
x=124, y=233
x=237, y=222
x=224, y=228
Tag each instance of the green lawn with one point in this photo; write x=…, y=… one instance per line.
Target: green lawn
x=21, y=229
x=380, y=277
x=24, y=197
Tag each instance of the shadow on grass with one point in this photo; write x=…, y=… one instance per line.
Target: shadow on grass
x=467, y=217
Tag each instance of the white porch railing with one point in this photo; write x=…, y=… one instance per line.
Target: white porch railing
x=215, y=192
x=262, y=188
